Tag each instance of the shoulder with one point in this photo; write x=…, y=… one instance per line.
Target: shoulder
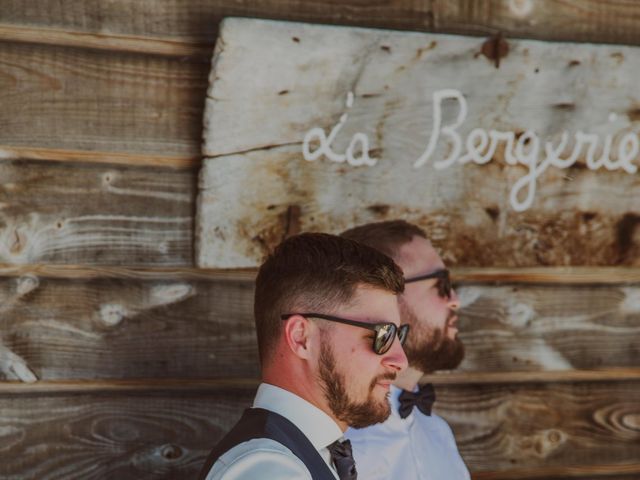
x=259, y=458
x=438, y=422
x=438, y=430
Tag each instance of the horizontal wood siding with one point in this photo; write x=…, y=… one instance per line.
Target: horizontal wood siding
x=540, y=426
x=503, y=431
x=196, y=21
x=110, y=328
x=104, y=101
x=105, y=327
x=162, y=435
x=533, y=328
x=95, y=214
x=118, y=359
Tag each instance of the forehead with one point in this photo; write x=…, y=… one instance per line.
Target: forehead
x=418, y=257
x=372, y=305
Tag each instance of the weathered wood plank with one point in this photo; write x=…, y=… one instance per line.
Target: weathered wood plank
x=549, y=275
x=86, y=272
x=550, y=327
x=195, y=21
x=261, y=188
x=93, y=327
x=521, y=431
x=136, y=385
x=109, y=328
x=613, y=21
x=533, y=276
x=439, y=379
x=511, y=431
x=162, y=435
x=73, y=99
x=101, y=41
x=474, y=213
x=598, y=472
x=113, y=158
x=92, y=214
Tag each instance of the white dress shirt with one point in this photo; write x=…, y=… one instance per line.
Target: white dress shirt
x=266, y=459
x=418, y=447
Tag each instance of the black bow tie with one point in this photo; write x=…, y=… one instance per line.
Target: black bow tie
x=343, y=460
x=423, y=399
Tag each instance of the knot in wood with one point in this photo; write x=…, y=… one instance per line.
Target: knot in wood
x=171, y=452
x=112, y=314
x=27, y=284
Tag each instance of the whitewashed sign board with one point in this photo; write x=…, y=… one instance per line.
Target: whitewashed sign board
x=530, y=158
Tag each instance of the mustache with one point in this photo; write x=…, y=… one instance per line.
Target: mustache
x=385, y=376
x=450, y=317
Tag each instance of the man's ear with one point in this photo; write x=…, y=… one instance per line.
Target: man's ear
x=299, y=333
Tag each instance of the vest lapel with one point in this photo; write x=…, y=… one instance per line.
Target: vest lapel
x=260, y=423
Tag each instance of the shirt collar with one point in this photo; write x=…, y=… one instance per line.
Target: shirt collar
x=394, y=394
x=317, y=426
x=394, y=401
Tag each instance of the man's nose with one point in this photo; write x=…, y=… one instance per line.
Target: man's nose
x=395, y=358
x=454, y=300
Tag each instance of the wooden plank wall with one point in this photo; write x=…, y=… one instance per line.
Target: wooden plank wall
x=119, y=359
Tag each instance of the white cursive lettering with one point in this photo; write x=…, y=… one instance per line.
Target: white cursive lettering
x=359, y=139
x=481, y=145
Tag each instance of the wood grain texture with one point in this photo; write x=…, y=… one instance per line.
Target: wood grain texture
x=92, y=214
x=133, y=386
x=599, y=472
x=102, y=41
x=261, y=187
x=195, y=21
x=74, y=99
x=531, y=276
x=549, y=327
x=523, y=431
x=512, y=431
x=8, y=152
x=162, y=435
x=125, y=329
x=462, y=377
x=87, y=272
x=613, y=21
x=109, y=327
x=254, y=144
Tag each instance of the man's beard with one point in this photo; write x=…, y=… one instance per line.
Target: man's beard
x=355, y=414
x=429, y=350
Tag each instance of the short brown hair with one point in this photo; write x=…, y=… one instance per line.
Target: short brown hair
x=386, y=237
x=317, y=272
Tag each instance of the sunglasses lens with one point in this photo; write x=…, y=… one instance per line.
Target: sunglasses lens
x=384, y=338
x=444, y=287
x=402, y=333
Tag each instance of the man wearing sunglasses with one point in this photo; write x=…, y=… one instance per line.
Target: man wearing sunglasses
x=418, y=444
x=329, y=338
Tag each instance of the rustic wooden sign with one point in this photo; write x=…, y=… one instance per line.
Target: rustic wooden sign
x=509, y=153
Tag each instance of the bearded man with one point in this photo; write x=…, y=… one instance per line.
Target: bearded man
x=330, y=343
x=414, y=443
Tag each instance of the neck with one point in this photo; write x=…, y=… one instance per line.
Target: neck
x=408, y=379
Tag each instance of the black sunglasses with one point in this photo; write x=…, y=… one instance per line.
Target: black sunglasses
x=385, y=332
x=443, y=284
